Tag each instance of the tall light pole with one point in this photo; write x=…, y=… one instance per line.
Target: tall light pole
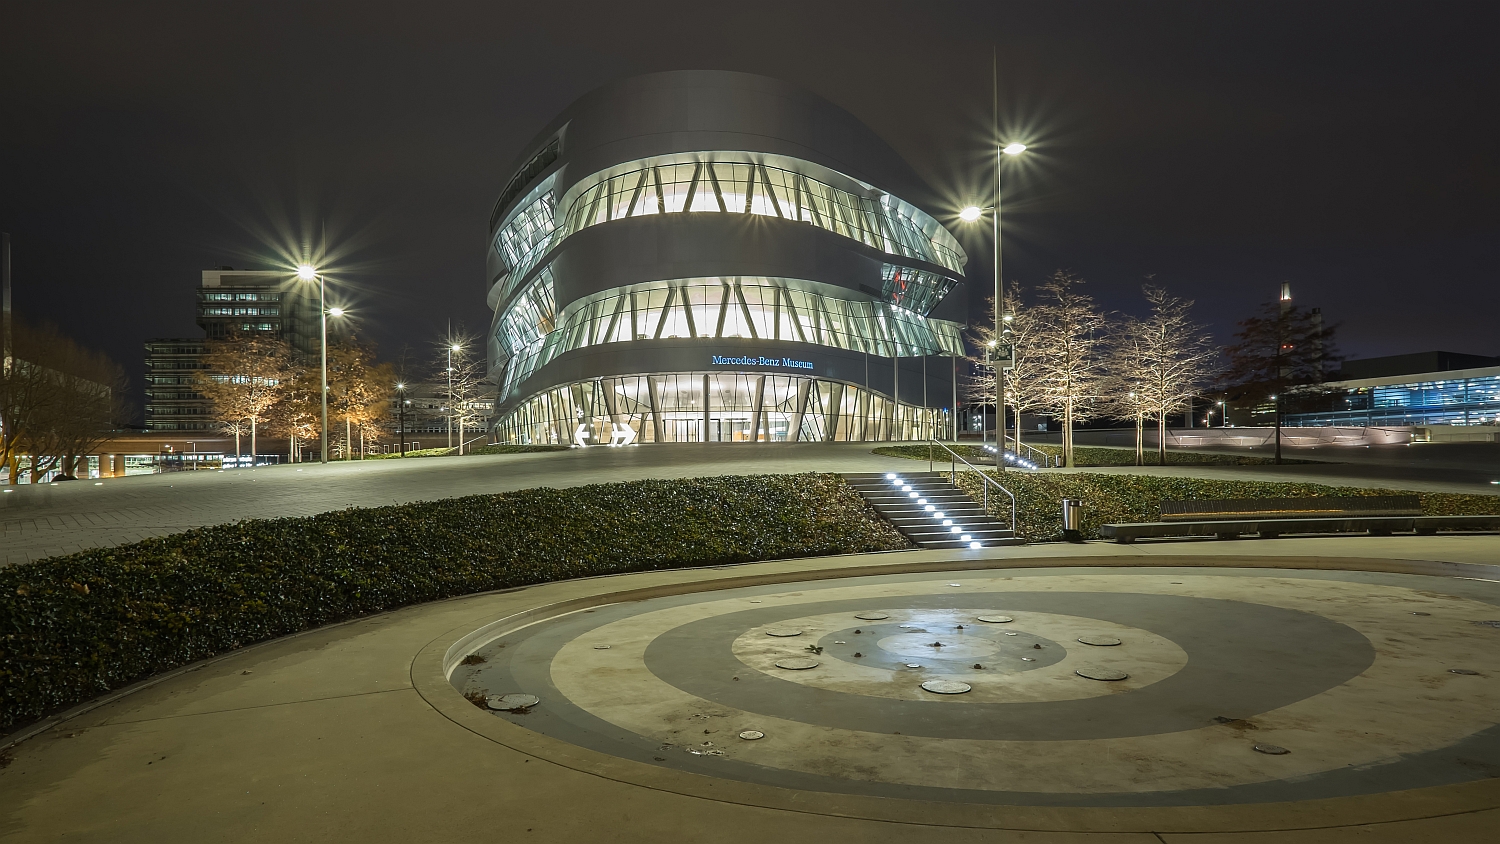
x=451, y=350
x=401, y=417
x=969, y=215
x=307, y=272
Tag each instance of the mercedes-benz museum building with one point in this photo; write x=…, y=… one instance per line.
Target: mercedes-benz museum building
x=707, y=256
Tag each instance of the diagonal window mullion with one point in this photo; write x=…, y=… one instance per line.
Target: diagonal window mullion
x=739, y=293
x=723, y=309
x=635, y=196
x=666, y=313
x=687, y=206
x=713, y=179
x=771, y=191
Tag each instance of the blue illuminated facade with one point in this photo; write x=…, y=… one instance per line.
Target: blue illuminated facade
x=1464, y=397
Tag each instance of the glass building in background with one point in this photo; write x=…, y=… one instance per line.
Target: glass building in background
x=708, y=256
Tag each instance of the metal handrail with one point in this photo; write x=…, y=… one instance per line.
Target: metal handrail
x=954, y=458
x=1033, y=454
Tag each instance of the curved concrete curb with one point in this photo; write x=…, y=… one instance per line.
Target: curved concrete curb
x=434, y=664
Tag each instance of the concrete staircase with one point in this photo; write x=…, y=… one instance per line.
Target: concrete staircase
x=907, y=510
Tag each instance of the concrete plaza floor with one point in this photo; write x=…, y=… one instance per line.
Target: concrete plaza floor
x=353, y=733
x=50, y=519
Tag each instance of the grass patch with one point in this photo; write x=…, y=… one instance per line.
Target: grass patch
x=1095, y=455
x=76, y=626
x=971, y=453
x=479, y=449
x=1092, y=455
x=1123, y=499
x=514, y=449
x=415, y=452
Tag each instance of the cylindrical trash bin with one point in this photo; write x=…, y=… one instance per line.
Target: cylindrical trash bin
x=1072, y=518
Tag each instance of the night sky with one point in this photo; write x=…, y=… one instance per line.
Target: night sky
x=1346, y=147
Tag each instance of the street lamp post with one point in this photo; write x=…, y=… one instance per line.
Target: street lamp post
x=969, y=215
x=307, y=272
x=453, y=408
x=401, y=417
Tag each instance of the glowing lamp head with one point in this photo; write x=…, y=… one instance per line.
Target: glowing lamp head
x=457, y=348
x=400, y=386
x=307, y=272
x=1014, y=149
x=970, y=214
x=336, y=312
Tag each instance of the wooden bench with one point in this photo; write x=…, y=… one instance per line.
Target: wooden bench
x=1380, y=515
x=1204, y=509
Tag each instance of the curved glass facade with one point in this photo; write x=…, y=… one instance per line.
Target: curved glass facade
x=672, y=329
x=531, y=334
x=525, y=238
x=714, y=407
x=670, y=185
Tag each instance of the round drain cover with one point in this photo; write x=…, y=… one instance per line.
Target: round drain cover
x=871, y=616
x=510, y=703
x=797, y=663
x=914, y=665
x=946, y=687
x=752, y=735
x=783, y=632
x=1271, y=749
x=1101, y=641
x=996, y=619
x=601, y=647
x=1101, y=674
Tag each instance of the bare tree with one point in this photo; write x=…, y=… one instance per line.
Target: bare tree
x=1124, y=390
x=297, y=413
x=1166, y=359
x=359, y=390
x=58, y=401
x=90, y=405
x=236, y=428
x=1021, y=331
x=27, y=392
x=461, y=372
x=1070, y=346
x=1282, y=350
x=246, y=376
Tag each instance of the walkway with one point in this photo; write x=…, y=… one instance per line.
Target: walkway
x=51, y=519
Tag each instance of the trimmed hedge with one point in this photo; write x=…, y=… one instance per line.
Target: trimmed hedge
x=1093, y=455
x=77, y=626
x=1119, y=499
